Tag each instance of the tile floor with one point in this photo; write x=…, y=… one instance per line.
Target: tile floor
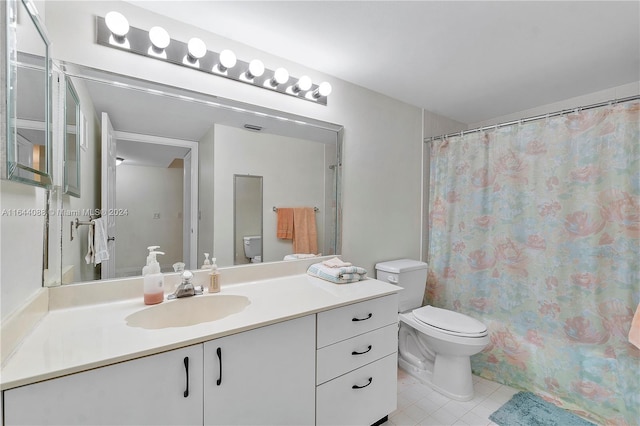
x=418, y=404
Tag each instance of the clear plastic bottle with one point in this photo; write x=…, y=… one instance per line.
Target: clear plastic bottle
x=206, y=264
x=153, y=280
x=214, y=277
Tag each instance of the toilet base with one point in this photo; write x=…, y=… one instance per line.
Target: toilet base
x=458, y=386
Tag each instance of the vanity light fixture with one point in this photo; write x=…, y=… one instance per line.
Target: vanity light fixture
x=280, y=76
x=196, y=49
x=160, y=39
x=256, y=69
x=114, y=31
x=323, y=90
x=227, y=60
x=304, y=84
x=119, y=27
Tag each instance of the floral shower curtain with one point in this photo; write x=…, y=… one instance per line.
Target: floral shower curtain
x=535, y=231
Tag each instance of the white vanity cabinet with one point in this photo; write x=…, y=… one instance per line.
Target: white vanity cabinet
x=159, y=389
x=264, y=376
x=357, y=362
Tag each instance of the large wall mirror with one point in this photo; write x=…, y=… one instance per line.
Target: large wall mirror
x=26, y=155
x=178, y=154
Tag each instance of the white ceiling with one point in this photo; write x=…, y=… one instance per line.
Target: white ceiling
x=470, y=61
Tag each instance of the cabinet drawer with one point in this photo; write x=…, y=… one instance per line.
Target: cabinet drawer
x=342, y=357
x=361, y=397
x=348, y=321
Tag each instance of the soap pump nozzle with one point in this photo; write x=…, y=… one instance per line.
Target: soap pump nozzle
x=154, y=266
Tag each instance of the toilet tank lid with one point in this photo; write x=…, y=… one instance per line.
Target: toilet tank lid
x=400, y=265
x=450, y=320
x=252, y=237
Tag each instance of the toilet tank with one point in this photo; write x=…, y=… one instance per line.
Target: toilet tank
x=409, y=274
x=252, y=245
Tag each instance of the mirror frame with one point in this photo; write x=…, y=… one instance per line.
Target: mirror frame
x=71, y=188
x=10, y=168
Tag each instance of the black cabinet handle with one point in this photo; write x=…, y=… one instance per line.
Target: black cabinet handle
x=219, y=352
x=362, y=353
x=362, y=387
x=363, y=319
x=186, y=370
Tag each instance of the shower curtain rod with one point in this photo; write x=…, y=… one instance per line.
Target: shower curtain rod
x=537, y=117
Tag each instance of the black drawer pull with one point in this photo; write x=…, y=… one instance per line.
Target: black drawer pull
x=362, y=387
x=186, y=370
x=363, y=319
x=362, y=353
x=219, y=352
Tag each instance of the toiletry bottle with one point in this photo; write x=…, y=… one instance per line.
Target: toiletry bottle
x=153, y=280
x=214, y=278
x=145, y=269
x=206, y=264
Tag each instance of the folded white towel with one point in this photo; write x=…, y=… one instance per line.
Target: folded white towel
x=344, y=275
x=336, y=263
x=101, y=250
x=300, y=256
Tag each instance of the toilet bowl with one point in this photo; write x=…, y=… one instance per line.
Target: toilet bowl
x=439, y=352
x=434, y=345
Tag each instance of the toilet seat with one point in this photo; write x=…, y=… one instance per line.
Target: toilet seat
x=450, y=322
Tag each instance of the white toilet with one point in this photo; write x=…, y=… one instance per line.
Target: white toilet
x=253, y=248
x=435, y=345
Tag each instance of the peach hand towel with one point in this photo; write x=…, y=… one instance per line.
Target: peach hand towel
x=634, y=332
x=285, y=223
x=305, y=234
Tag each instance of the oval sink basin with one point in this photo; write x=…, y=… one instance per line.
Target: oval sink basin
x=188, y=311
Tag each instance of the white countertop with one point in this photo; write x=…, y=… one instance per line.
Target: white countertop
x=80, y=338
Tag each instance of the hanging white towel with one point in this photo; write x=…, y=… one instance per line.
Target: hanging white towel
x=90, y=256
x=101, y=250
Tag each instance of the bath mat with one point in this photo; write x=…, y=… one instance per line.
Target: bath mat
x=527, y=409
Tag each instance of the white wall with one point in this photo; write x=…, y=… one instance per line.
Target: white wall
x=279, y=160
x=146, y=192
x=618, y=92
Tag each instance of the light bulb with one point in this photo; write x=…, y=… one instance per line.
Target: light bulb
x=159, y=38
x=304, y=84
x=256, y=69
x=227, y=60
x=197, y=48
x=280, y=76
x=323, y=90
x=117, y=24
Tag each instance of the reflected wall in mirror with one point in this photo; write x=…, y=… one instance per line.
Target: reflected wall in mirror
x=27, y=153
x=190, y=146
x=71, y=141
x=247, y=219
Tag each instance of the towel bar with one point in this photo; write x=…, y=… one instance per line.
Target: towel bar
x=315, y=209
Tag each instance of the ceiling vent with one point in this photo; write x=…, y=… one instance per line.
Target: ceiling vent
x=253, y=127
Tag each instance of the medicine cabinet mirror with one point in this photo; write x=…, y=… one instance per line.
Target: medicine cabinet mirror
x=72, y=135
x=26, y=155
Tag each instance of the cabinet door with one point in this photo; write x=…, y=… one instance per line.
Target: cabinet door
x=264, y=376
x=145, y=391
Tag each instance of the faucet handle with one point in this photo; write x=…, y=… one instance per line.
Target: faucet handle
x=186, y=276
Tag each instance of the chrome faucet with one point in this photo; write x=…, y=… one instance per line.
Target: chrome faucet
x=186, y=287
